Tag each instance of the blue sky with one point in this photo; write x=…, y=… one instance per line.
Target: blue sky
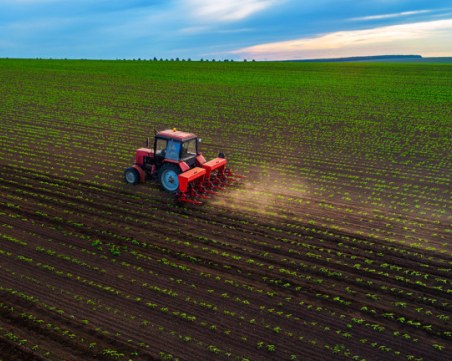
x=220, y=29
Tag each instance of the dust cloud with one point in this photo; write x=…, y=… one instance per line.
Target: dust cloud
x=269, y=194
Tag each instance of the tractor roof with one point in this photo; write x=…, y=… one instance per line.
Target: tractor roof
x=175, y=134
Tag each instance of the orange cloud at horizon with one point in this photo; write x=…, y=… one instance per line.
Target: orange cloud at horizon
x=431, y=38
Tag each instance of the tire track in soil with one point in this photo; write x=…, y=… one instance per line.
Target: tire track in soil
x=118, y=335
x=234, y=249
x=267, y=234
x=342, y=268
x=339, y=267
x=52, y=345
x=229, y=264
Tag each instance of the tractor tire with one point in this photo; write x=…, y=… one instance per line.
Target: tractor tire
x=168, y=177
x=131, y=176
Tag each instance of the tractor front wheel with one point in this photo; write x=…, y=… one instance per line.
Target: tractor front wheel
x=168, y=177
x=131, y=176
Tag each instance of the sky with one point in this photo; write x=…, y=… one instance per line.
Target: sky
x=223, y=29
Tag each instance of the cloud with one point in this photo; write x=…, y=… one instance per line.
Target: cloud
x=425, y=38
x=389, y=16
x=227, y=10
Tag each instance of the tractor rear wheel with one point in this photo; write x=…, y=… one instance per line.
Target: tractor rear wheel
x=168, y=177
x=131, y=176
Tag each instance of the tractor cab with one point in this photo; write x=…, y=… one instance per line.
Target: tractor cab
x=175, y=146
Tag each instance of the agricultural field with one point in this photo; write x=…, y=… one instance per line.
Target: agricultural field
x=336, y=246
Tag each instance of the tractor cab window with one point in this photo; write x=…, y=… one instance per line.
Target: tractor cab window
x=189, y=149
x=173, y=150
x=160, y=147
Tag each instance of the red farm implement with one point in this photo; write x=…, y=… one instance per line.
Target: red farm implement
x=180, y=169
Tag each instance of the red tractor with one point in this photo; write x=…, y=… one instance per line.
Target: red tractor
x=179, y=167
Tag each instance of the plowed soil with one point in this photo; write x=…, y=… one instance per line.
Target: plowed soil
x=284, y=265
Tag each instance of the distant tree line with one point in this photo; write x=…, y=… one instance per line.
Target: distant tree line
x=150, y=59
x=178, y=59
